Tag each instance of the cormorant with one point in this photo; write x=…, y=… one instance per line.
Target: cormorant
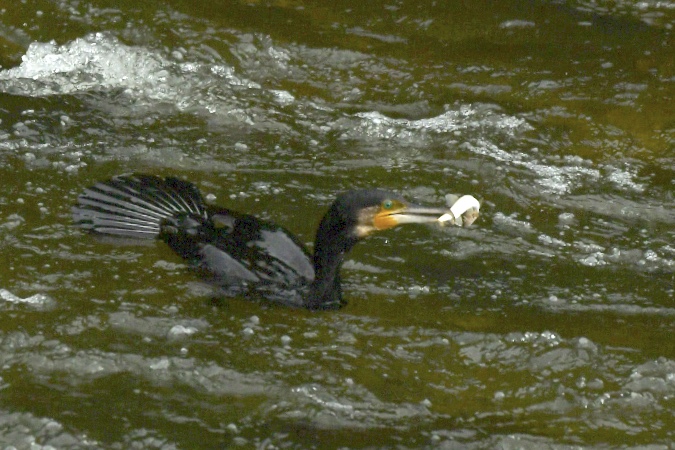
x=239, y=252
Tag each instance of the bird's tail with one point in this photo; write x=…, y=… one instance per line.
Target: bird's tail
x=136, y=205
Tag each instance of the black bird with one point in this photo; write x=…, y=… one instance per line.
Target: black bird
x=239, y=252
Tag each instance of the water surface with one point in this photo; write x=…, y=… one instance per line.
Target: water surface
x=547, y=324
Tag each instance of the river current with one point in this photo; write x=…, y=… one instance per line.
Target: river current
x=546, y=324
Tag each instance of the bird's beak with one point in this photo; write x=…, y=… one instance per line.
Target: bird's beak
x=463, y=212
x=408, y=214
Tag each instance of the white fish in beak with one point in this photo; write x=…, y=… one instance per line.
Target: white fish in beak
x=464, y=210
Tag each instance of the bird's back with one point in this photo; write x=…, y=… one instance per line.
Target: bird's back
x=239, y=251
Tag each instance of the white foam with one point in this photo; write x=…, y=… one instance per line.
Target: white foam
x=93, y=62
x=40, y=300
x=376, y=124
x=100, y=61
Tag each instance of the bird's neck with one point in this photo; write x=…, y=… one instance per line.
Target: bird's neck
x=325, y=292
x=331, y=245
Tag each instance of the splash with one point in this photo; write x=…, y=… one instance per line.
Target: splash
x=101, y=62
x=97, y=61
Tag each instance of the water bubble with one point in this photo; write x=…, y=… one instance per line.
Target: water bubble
x=162, y=364
x=180, y=330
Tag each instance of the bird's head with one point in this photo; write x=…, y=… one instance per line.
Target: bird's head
x=359, y=213
x=377, y=210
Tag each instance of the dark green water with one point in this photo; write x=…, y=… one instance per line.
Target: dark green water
x=548, y=324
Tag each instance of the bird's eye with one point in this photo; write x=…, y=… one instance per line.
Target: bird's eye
x=387, y=204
